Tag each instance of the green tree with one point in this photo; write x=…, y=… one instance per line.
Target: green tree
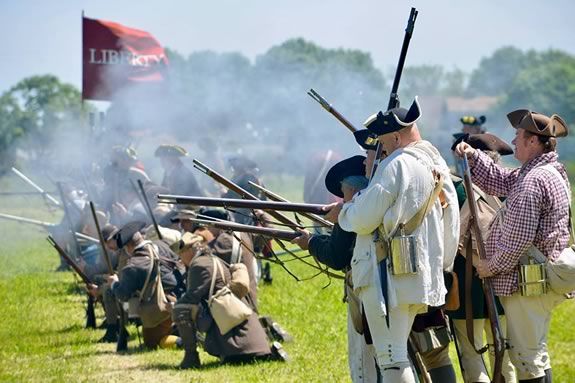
x=33, y=110
x=497, y=72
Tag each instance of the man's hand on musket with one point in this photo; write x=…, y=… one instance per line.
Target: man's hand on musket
x=92, y=290
x=303, y=240
x=464, y=148
x=483, y=269
x=112, y=278
x=332, y=211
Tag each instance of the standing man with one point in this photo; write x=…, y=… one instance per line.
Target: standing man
x=534, y=223
x=472, y=363
x=412, y=181
x=178, y=178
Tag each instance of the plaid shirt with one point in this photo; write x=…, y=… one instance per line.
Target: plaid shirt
x=536, y=213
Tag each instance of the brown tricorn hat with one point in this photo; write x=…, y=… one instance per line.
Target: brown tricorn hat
x=537, y=123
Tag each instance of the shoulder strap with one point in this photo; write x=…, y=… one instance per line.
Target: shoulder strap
x=148, y=276
x=417, y=219
x=217, y=267
x=236, y=250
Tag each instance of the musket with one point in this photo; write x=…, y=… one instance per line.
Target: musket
x=498, y=339
x=35, y=186
x=122, y=344
x=21, y=193
x=149, y=209
x=242, y=192
x=45, y=225
x=276, y=197
x=90, y=313
x=69, y=261
x=393, y=96
x=270, y=206
x=285, y=235
x=327, y=106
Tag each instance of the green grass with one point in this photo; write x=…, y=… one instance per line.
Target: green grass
x=42, y=314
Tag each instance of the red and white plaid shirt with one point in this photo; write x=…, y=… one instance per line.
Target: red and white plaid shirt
x=537, y=213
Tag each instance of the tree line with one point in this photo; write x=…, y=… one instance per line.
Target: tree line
x=250, y=103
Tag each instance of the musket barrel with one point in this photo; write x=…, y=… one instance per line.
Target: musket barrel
x=241, y=203
x=265, y=231
x=35, y=186
x=276, y=197
x=239, y=190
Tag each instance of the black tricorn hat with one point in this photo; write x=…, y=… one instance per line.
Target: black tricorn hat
x=166, y=150
x=486, y=142
x=126, y=232
x=472, y=120
x=538, y=123
x=394, y=119
x=352, y=166
x=365, y=139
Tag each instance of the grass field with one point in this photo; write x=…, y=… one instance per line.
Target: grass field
x=42, y=314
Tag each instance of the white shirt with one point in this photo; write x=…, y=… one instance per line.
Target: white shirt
x=401, y=185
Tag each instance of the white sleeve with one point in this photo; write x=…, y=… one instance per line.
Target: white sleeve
x=365, y=212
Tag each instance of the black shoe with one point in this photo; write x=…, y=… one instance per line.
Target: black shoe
x=267, y=273
x=274, y=330
x=111, y=335
x=278, y=352
x=191, y=361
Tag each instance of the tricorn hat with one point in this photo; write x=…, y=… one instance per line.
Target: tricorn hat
x=366, y=139
x=394, y=119
x=350, y=167
x=537, y=123
x=486, y=142
x=472, y=120
x=126, y=232
x=166, y=150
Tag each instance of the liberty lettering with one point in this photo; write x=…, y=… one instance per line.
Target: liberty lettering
x=123, y=57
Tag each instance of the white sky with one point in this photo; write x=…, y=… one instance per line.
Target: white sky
x=43, y=36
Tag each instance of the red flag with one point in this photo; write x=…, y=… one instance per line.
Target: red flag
x=114, y=56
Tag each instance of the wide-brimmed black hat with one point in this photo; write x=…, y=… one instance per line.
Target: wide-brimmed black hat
x=486, y=142
x=349, y=167
x=126, y=232
x=472, y=120
x=538, y=123
x=214, y=213
x=366, y=139
x=394, y=119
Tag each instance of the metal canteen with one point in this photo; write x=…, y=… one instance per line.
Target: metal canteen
x=404, y=258
x=532, y=280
